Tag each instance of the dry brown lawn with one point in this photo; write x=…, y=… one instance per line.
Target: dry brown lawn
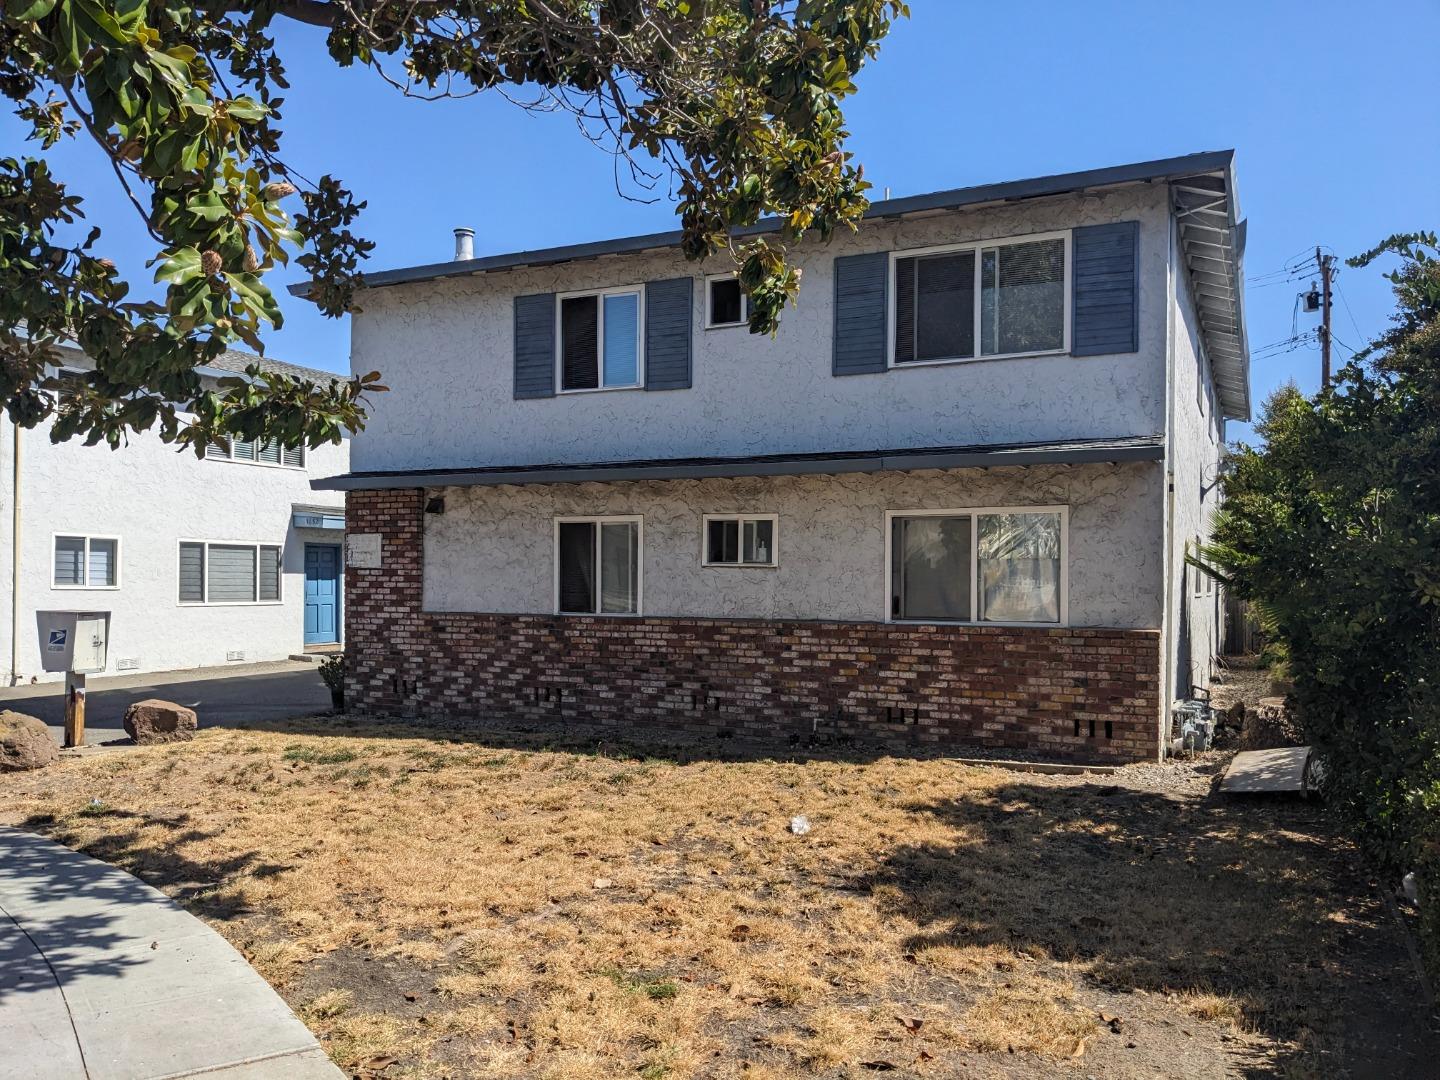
x=486, y=906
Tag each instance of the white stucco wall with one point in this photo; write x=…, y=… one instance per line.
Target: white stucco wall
x=445, y=350
x=493, y=548
x=151, y=497
x=1196, y=446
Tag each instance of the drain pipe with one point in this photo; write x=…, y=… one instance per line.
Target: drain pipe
x=15, y=556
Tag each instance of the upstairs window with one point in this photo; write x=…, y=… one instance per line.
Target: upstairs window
x=600, y=346
x=747, y=540
x=86, y=562
x=263, y=453
x=1003, y=566
x=725, y=302
x=1007, y=298
x=597, y=564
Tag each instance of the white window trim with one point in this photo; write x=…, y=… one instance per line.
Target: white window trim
x=86, y=587
x=976, y=246
x=205, y=578
x=611, y=519
x=710, y=323
x=638, y=291
x=973, y=512
x=230, y=447
x=774, y=519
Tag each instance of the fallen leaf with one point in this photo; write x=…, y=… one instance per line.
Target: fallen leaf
x=739, y=932
x=878, y=1066
x=910, y=1023
x=409, y=997
x=603, y=883
x=1079, y=1050
x=924, y=1055
x=378, y=1063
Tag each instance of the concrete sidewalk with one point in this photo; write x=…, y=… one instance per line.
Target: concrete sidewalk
x=104, y=978
x=222, y=696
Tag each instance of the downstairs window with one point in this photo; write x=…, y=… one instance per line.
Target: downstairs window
x=597, y=566
x=1003, y=566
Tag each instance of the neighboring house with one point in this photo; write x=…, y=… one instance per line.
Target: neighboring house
x=228, y=559
x=948, y=504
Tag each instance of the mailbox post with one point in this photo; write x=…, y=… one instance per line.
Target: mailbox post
x=75, y=642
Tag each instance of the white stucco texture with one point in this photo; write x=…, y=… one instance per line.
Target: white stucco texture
x=1197, y=442
x=445, y=350
x=151, y=497
x=492, y=550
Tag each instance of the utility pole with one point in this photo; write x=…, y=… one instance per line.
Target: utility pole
x=1325, y=262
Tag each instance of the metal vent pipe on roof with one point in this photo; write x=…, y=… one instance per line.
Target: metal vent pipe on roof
x=464, y=244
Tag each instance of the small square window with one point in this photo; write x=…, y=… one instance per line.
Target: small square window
x=727, y=304
x=597, y=566
x=740, y=541
x=85, y=562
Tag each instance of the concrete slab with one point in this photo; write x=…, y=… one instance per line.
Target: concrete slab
x=1254, y=772
x=103, y=977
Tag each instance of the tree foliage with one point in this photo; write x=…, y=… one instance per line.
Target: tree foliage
x=736, y=102
x=1333, y=529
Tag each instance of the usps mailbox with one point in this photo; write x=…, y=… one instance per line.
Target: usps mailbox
x=74, y=641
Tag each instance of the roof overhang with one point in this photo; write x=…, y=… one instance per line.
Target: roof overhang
x=1158, y=171
x=1079, y=452
x=1212, y=242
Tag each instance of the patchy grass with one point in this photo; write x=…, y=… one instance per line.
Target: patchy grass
x=493, y=908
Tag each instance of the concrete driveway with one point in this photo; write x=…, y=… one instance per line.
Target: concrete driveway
x=222, y=696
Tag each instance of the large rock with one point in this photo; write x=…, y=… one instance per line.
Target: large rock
x=156, y=721
x=25, y=743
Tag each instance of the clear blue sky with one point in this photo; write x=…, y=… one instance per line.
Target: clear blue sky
x=1325, y=103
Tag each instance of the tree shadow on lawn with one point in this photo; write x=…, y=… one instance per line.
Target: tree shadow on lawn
x=1254, y=902
x=204, y=888
x=674, y=742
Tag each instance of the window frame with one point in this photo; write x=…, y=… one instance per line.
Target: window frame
x=710, y=323
x=741, y=518
x=975, y=513
x=598, y=520
x=205, y=577
x=638, y=290
x=85, y=586
x=229, y=455
x=977, y=246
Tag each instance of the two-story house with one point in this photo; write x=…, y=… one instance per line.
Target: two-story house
x=230, y=559
x=947, y=504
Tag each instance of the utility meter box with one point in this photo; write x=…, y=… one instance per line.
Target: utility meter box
x=73, y=640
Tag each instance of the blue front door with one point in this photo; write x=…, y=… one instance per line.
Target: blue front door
x=322, y=593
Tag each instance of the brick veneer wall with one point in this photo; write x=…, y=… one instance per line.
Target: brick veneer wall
x=1067, y=693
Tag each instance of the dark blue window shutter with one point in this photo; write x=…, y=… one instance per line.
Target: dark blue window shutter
x=1106, y=283
x=535, y=346
x=861, y=284
x=668, y=309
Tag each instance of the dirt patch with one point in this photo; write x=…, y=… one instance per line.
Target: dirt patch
x=483, y=905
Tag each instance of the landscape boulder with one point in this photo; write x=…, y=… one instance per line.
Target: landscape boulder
x=156, y=721
x=25, y=743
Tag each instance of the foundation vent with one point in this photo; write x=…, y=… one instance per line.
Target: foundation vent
x=235, y=654
x=127, y=663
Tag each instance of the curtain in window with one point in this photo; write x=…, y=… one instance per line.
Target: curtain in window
x=725, y=541
x=269, y=573
x=622, y=340
x=579, y=343
x=192, y=573
x=619, y=567
x=232, y=573
x=930, y=568
x=1022, y=297
x=69, y=560
x=102, y=563
x=577, y=566
x=1020, y=568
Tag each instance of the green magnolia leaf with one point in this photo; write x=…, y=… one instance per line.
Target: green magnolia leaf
x=256, y=296
x=179, y=266
x=30, y=10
